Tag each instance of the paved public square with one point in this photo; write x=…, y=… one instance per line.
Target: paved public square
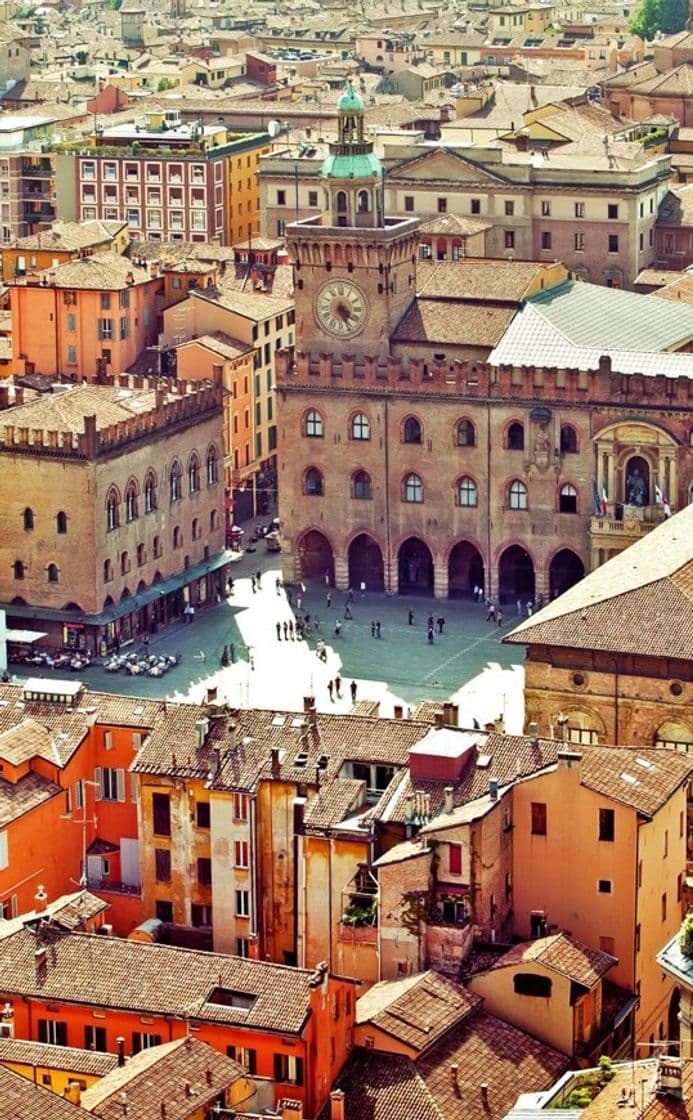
x=467, y=663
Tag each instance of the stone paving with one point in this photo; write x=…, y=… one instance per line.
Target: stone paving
x=467, y=663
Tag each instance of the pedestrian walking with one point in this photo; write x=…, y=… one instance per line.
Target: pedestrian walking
x=347, y=611
x=327, y=577
x=252, y=584
x=299, y=600
x=429, y=622
x=279, y=631
x=291, y=629
x=338, y=686
x=353, y=687
x=224, y=657
x=372, y=628
x=337, y=627
x=529, y=609
x=518, y=606
x=289, y=596
x=328, y=599
x=286, y=631
x=330, y=689
x=278, y=585
x=440, y=622
x=316, y=622
x=362, y=588
x=377, y=627
x=491, y=615
x=146, y=641
x=499, y=617
x=430, y=635
x=232, y=653
x=411, y=617
x=350, y=597
x=258, y=578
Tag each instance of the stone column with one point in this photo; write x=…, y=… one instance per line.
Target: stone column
x=341, y=573
x=440, y=579
x=611, y=477
x=391, y=574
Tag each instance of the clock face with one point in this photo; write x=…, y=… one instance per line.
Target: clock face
x=341, y=309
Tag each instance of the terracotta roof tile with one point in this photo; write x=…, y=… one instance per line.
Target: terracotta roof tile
x=563, y=954
x=422, y=1014
x=20, y=797
x=385, y=1087
x=19, y=1097
x=67, y=1058
x=453, y=323
x=476, y=278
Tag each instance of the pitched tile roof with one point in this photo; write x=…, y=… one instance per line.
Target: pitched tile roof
x=334, y=802
x=561, y=953
x=68, y=1058
x=640, y=601
x=19, y=1097
x=153, y=979
x=185, y=1076
x=385, y=1087
x=250, y=305
x=453, y=323
x=20, y=797
x=66, y=411
x=417, y=1011
x=220, y=343
x=476, y=278
x=70, y=236
x=102, y=272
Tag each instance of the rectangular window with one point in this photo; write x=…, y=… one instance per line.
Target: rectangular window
x=72, y=322
x=124, y=327
x=242, y=904
x=105, y=328
x=538, y=818
x=240, y=806
x=200, y=915
x=606, y=824
x=288, y=1069
x=442, y=205
x=110, y=783
x=546, y=240
x=604, y=886
x=95, y=1038
x=579, y=209
x=163, y=910
x=312, y=198
x=545, y=209
x=455, y=860
x=509, y=208
x=240, y=853
x=666, y=843
x=161, y=814
x=245, y=1056
x=72, y=355
x=664, y=907
x=612, y=210
x=143, y=1040
x=202, y=814
x=4, y=859
x=607, y=945
x=475, y=206
x=409, y=203
x=579, y=242
x=242, y=947
x=162, y=865
x=509, y=239
x=204, y=871
x=105, y=301
x=52, y=1031
x=613, y=243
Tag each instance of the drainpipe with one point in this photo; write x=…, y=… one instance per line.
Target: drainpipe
x=388, y=535
x=487, y=572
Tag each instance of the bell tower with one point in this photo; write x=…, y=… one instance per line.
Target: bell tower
x=354, y=267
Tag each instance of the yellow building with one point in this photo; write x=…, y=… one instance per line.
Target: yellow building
x=243, y=190
x=54, y=1067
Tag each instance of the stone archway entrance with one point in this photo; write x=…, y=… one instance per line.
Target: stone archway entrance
x=566, y=569
x=365, y=561
x=516, y=575
x=315, y=556
x=415, y=568
x=465, y=570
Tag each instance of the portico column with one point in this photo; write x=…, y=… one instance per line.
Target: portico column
x=611, y=476
x=341, y=573
x=440, y=579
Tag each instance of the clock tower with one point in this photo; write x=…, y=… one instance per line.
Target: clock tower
x=354, y=267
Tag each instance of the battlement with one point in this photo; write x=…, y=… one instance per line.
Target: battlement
x=386, y=374
x=176, y=404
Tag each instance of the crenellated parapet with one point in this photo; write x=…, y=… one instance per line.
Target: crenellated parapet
x=477, y=380
x=166, y=407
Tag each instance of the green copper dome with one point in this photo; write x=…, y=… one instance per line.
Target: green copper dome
x=362, y=166
x=350, y=102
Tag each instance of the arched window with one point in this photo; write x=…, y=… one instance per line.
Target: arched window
x=467, y=493
x=195, y=528
x=141, y=555
x=313, y=482
x=363, y=202
x=517, y=494
x=567, y=499
x=124, y=563
x=412, y=430
x=28, y=519
x=175, y=477
x=361, y=485
x=177, y=537
x=516, y=437
x=19, y=569
x=569, y=440
x=413, y=488
x=52, y=571
x=112, y=508
x=675, y=735
x=157, y=550
x=150, y=492
x=212, y=466
x=194, y=474
x=213, y=521
x=313, y=425
x=61, y=522
x=107, y=571
x=341, y=202
x=360, y=426
x=131, y=502
x=466, y=434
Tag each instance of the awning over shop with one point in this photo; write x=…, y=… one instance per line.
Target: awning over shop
x=131, y=603
x=25, y=637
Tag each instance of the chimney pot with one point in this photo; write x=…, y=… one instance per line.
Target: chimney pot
x=449, y=794
x=120, y=1043
x=336, y=1105
x=533, y=732
x=484, y=1094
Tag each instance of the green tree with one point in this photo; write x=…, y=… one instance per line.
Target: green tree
x=667, y=16
x=686, y=936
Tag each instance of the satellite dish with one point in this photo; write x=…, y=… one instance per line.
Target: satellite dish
x=274, y=128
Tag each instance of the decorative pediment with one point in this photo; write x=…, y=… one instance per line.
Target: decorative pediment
x=441, y=164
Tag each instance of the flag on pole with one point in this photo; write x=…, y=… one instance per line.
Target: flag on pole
x=662, y=500
x=595, y=495
x=605, y=501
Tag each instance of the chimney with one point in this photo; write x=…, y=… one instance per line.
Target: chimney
x=484, y=1094
x=449, y=804
x=308, y=704
x=211, y=694
x=290, y=1110
x=493, y=788
x=336, y=1105
x=569, y=760
x=439, y=719
x=532, y=731
x=120, y=1043
x=276, y=765
x=163, y=1110
x=454, y=1080
x=399, y=711
x=562, y=722
x=201, y=727
x=210, y=1077
x=73, y=1093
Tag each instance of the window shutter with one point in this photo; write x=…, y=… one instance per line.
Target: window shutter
x=120, y=784
x=4, y=861
x=134, y=789
x=278, y=1067
x=98, y=778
